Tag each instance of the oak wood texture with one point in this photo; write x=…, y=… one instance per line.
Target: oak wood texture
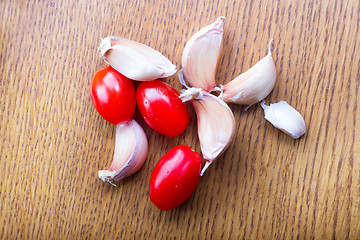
x=265, y=186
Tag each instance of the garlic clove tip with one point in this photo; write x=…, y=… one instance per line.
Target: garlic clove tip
x=207, y=164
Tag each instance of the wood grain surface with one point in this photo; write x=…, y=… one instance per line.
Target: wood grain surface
x=265, y=186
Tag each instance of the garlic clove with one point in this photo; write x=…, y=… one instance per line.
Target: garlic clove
x=135, y=60
x=216, y=123
x=253, y=85
x=284, y=117
x=201, y=56
x=131, y=147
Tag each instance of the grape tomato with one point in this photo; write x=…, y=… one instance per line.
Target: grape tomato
x=175, y=177
x=162, y=109
x=113, y=95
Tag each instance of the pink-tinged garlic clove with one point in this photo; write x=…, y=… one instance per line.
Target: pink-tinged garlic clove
x=253, y=85
x=131, y=147
x=135, y=60
x=201, y=56
x=216, y=123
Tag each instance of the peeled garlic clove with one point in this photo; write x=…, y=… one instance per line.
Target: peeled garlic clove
x=285, y=118
x=131, y=147
x=216, y=123
x=135, y=60
x=201, y=55
x=253, y=85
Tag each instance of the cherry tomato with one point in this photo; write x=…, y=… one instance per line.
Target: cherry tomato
x=175, y=177
x=161, y=108
x=113, y=95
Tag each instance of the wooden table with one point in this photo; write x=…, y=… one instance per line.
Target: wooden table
x=266, y=185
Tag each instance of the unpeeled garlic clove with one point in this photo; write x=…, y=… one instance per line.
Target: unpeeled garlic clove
x=253, y=85
x=135, y=60
x=216, y=123
x=131, y=147
x=201, y=55
x=284, y=117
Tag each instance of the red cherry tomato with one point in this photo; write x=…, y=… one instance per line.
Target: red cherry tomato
x=161, y=108
x=113, y=95
x=175, y=177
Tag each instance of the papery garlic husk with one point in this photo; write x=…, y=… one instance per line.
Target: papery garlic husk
x=284, y=117
x=201, y=56
x=216, y=123
x=253, y=85
x=135, y=60
x=131, y=147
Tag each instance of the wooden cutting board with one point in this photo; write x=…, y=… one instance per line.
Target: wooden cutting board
x=265, y=186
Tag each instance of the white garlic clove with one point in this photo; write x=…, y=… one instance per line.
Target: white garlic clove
x=135, y=60
x=201, y=56
x=284, y=117
x=216, y=123
x=253, y=85
x=131, y=147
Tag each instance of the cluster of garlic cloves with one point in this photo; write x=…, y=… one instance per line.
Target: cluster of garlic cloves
x=135, y=60
x=253, y=85
x=286, y=118
x=215, y=120
x=216, y=124
x=131, y=147
x=201, y=56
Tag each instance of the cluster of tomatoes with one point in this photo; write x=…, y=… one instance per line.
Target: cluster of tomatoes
x=176, y=175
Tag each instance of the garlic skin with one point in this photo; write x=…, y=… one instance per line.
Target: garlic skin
x=135, y=60
x=216, y=123
x=131, y=147
x=284, y=117
x=253, y=85
x=201, y=56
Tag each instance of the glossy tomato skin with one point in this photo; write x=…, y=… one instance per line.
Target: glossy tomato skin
x=175, y=177
x=161, y=108
x=113, y=95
